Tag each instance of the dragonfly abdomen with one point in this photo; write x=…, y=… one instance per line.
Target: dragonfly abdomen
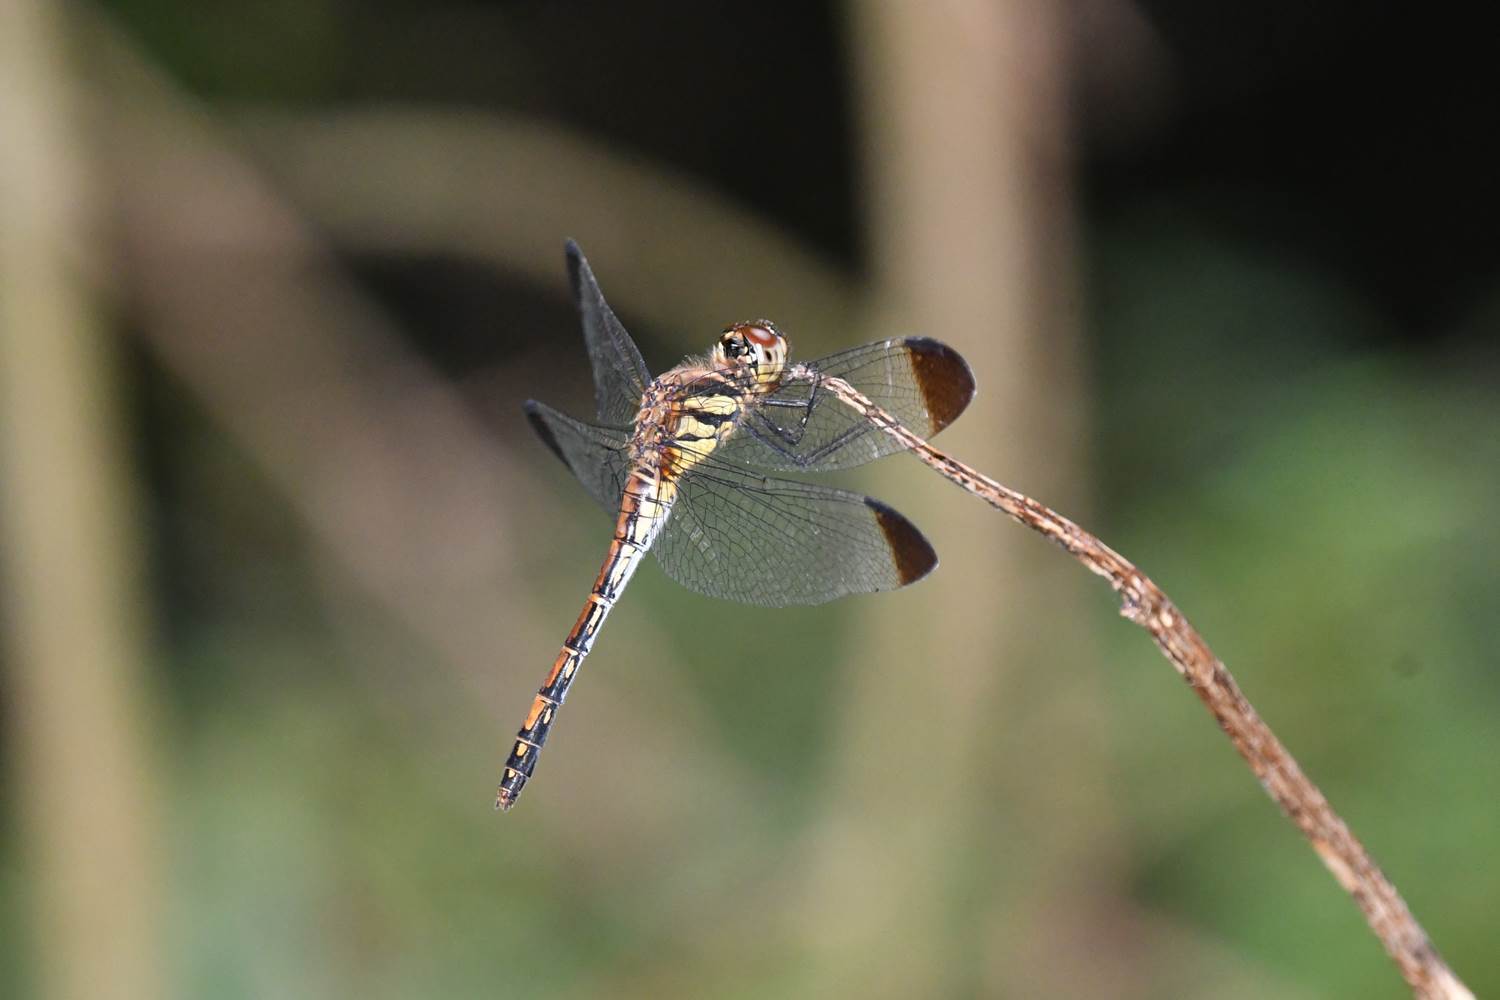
x=644, y=505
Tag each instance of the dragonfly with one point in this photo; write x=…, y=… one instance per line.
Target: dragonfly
x=684, y=462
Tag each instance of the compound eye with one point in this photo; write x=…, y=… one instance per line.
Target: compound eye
x=763, y=337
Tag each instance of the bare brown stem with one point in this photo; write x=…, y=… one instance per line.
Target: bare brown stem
x=1144, y=603
x=79, y=726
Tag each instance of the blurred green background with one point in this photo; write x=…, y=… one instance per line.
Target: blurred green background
x=283, y=564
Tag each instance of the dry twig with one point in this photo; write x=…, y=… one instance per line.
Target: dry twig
x=1144, y=603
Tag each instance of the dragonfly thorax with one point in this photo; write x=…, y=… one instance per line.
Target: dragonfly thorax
x=689, y=411
x=685, y=414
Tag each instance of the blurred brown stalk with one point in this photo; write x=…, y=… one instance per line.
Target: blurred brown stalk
x=75, y=634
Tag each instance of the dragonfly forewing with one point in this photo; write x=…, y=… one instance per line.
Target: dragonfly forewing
x=620, y=374
x=923, y=383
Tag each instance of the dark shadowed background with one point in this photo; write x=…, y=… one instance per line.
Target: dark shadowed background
x=283, y=564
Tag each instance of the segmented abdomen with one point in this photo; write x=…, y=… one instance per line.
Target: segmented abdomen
x=644, y=505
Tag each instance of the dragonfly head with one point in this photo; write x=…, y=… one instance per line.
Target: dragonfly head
x=756, y=347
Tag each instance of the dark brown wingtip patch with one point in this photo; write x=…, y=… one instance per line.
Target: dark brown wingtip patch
x=538, y=421
x=911, y=553
x=944, y=377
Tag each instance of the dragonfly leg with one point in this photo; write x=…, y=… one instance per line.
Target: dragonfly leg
x=794, y=437
x=787, y=450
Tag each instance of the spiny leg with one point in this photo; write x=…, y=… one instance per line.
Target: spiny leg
x=783, y=448
x=791, y=437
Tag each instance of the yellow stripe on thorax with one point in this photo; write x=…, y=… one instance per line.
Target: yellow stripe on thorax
x=695, y=433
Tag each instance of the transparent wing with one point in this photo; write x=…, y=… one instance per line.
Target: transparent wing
x=773, y=542
x=620, y=376
x=596, y=455
x=801, y=426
